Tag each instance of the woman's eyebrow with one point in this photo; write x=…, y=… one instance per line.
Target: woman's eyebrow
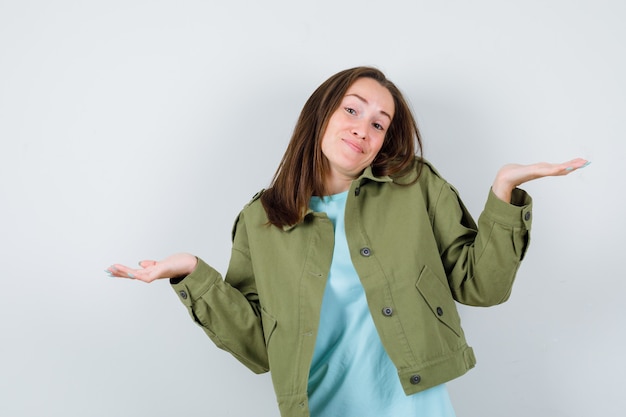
x=366, y=102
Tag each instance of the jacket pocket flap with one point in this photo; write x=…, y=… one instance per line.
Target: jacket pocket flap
x=439, y=299
x=269, y=324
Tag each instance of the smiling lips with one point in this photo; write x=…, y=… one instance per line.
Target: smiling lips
x=353, y=145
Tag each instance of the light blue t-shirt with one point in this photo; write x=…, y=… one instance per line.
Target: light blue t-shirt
x=351, y=374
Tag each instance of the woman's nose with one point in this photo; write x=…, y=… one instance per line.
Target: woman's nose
x=359, y=128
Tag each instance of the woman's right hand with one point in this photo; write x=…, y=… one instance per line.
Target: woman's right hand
x=178, y=265
x=513, y=175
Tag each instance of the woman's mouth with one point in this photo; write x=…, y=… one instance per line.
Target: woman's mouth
x=353, y=145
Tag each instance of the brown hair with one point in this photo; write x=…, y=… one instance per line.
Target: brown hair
x=303, y=168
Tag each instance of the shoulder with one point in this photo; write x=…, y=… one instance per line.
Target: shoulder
x=422, y=173
x=251, y=214
x=255, y=197
x=253, y=210
x=428, y=169
x=424, y=181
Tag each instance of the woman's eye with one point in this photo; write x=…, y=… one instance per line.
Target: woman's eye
x=350, y=110
x=378, y=126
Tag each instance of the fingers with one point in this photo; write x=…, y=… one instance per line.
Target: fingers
x=575, y=164
x=545, y=169
x=564, y=168
x=150, y=271
x=121, y=271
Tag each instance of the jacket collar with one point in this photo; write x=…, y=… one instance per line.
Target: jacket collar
x=366, y=176
x=369, y=175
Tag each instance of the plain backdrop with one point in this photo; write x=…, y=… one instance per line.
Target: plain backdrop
x=135, y=129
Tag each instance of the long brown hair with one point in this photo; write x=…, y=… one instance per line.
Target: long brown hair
x=302, y=171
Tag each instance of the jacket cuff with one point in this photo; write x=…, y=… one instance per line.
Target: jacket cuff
x=516, y=214
x=196, y=284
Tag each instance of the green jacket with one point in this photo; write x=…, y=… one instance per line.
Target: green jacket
x=416, y=250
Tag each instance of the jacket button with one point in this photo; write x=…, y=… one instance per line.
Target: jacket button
x=439, y=311
x=527, y=216
x=183, y=295
x=366, y=252
x=357, y=191
x=415, y=379
x=387, y=311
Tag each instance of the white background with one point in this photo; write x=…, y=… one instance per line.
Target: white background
x=134, y=129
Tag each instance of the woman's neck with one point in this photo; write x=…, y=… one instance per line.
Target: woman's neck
x=336, y=184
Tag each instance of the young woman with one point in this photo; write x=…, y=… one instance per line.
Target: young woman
x=344, y=273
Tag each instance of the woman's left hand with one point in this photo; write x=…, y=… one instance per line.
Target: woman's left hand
x=513, y=175
x=178, y=265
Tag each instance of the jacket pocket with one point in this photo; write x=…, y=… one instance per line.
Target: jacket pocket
x=269, y=324
x=439, y=299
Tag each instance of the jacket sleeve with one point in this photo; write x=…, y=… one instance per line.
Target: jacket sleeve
x=481, y=260
x=228, y=310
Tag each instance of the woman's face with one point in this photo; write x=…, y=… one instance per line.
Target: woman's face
x=356, y=130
